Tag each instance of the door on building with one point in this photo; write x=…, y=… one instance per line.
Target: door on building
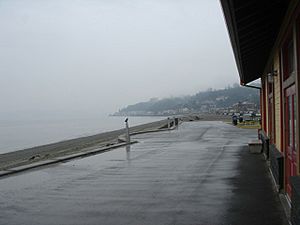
x=290, y=137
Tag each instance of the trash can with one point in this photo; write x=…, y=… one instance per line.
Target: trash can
x=234, y=120
x=176, y=121
x=241, y=119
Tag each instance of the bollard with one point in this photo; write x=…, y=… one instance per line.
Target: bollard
x=127, y=132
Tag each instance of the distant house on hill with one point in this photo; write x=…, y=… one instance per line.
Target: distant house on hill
x=244, y=107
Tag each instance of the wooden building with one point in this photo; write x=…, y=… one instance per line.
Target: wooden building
x=265, y=37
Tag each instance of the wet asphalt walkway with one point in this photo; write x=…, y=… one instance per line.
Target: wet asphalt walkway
x=200, y=174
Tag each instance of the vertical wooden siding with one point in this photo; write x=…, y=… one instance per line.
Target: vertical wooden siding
x=277, y=103
x=266, y=111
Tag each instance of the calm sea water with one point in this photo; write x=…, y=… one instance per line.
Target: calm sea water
x=21, y=134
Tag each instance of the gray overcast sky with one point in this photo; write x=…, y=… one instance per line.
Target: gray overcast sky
x=100, y=55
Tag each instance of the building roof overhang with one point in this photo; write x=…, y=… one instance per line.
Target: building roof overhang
x=253, y=27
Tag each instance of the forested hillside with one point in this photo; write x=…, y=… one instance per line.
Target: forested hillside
x=217, y=99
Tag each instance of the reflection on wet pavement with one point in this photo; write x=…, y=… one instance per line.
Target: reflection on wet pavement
x=173, y=177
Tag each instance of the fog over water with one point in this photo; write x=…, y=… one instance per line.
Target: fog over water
x=82, y=55
x=63, y=59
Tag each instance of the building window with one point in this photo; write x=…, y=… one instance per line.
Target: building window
x=291, y=60
x=288, y=58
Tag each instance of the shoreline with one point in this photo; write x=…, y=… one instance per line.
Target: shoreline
x=93, y=144
x=50, y=151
